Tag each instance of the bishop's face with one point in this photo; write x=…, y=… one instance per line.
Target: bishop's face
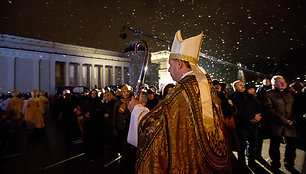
x=174, y=69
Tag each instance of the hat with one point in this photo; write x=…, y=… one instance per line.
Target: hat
x=150, y=91
x=16, y=92
x=126, y=88
x=215, y=82
x=249, y=85
x=188, y=50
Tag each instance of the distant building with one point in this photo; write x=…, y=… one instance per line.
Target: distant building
x=27, y=64
x=161, y=58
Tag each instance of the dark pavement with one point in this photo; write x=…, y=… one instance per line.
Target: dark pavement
x=47, y=152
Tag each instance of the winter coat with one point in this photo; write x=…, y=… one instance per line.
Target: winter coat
x=279, y=106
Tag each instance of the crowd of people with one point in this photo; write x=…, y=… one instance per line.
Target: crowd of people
x=272, y=111
x=101, y=118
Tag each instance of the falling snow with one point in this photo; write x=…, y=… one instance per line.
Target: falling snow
x=258, y=34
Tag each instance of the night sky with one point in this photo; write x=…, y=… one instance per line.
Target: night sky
x=264, y=35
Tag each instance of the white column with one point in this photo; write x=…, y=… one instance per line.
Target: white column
x=114, y=78
x=92, y=79
x=99, y=76
x=36, y=74
x=75, y=74
x=67, y=73
x=52, y=77
x=122, y=75
x=11, y=74
x=88, y=76
x=81, y=74
x=103, y=76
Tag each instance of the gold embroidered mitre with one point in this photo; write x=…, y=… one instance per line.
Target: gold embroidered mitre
x=188, y=49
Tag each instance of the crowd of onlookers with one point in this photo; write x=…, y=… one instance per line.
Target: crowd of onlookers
x=99, y=117
x=274, y=111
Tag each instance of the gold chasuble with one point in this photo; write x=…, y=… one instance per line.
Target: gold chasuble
x=175, y=138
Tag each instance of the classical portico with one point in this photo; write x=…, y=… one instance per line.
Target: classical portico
x=27, y=64
x=162, y=58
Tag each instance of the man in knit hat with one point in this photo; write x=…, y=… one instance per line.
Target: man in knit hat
x=183, y=133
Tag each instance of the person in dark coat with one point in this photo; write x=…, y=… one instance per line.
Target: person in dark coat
x=167, y=90
x=246, y=119
x=70, y=122
x=228, y=110
x=262, y=132
x=108, y=108
x=279, y=103
x=121, y=122
x=266, y=85
x=152, y=100
x=4, y=134
x=121, y=118
x=93, y=126
x=300, y=112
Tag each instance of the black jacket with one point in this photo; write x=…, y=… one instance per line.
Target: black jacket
x=247, y=106
x=279, y=106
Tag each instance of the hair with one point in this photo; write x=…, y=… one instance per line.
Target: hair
x=34, y=93
x=153, y=87
x=215, y=82
x=264, y=81
x=249, y=86
x=94, y=90
x=42, y=92
x=165, y=90
x=274, y=78
x=297, y=86
x=234, y=83
x=16, y=92
x=126, y=87
x=185, y=62
x=110, y=94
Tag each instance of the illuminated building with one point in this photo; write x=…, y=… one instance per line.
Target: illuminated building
x=27, y=64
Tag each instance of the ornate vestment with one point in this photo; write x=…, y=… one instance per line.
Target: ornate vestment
x=175, y=138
